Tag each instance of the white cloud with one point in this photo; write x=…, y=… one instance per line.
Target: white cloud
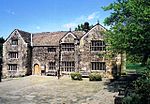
x=83, y=18
x=94, y=15
x=69, y=25
x=10, y=12
x=38, y=27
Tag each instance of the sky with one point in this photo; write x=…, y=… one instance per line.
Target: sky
x=49, y=15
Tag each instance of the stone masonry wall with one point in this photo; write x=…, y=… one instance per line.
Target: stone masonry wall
x=86, y=55
x=21, y=61
x=42, y=57
x=70, y=55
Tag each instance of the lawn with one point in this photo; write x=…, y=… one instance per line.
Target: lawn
x=135, y=66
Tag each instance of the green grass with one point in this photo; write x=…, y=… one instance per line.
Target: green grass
x=135, y=66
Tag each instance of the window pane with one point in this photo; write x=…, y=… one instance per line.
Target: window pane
x=51, y=49
x=98, y=65
x=52, y=66
x=12, y=67
x=14, y=42
x=68, y=66
x=67, y=46
x=97, y=45
x=13, y=54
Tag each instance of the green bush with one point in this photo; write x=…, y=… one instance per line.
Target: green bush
x=138, y=92
x=95, y=77
x=76, y=76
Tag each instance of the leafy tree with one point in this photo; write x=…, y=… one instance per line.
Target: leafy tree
x=129, y=27
x=84, y=27
x=1, y=45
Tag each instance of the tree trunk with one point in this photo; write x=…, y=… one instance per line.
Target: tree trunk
x=145, y=58
x=123, y=62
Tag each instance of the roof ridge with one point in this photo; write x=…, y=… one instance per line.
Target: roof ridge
x=49, y=32
x=22, y=31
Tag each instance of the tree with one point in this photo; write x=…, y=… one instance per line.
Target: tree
x=1, y=51
x=1, y=45
x=129, y=27
x=84, y=27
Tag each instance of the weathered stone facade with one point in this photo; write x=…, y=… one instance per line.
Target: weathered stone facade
x=47, y=52
x=21, y=56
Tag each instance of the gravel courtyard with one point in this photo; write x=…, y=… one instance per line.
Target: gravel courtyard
x=50, y=90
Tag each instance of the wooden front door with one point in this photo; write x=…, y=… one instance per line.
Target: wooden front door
x=37, y=70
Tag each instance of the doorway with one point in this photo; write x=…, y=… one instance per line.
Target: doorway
x=37, y=70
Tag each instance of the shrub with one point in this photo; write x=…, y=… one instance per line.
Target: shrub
x=139, y=92
x=76, y=76
x=95, y=77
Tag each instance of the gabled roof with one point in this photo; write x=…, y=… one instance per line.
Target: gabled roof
x=47, y=38
x=94, y=27
x=25, y=35
x=52, y=38
x=78, y=34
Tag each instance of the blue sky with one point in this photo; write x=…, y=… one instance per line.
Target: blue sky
x=49, y=15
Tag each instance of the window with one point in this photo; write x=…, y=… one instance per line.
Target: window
x=68, y=66
x=97, y=45
x=14, y=42
x=13, y=54
x=51, y=49
x=98, y=65
x=12, y=67
x=67, y=46
x=52, y=66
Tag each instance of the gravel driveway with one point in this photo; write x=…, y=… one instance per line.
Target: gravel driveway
x=50, y=90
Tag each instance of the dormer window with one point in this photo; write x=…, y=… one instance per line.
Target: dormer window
x=67, y=46
x=97, y=45
x=14, y=42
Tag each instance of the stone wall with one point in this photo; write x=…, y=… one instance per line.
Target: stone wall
x=86, y=55
x=42, y=57
x=22, y=61
x=70, y=55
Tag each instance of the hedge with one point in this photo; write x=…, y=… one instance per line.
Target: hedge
x=95, y=77
x=76, y=76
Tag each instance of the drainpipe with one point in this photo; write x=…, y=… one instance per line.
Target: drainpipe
x=31, y=40
x=31, y=65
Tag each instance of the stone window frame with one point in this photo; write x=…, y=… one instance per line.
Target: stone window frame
x=13, y=55
x=97, y=45
x=14, y=42
x=67, y=46
x=68, y=66
x=52, y=66
x=51, y=49
x=12, y=67
x=98, y=65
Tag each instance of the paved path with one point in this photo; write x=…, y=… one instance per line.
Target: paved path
x=50, y=90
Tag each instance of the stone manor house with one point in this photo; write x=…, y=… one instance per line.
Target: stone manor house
x=45, y=53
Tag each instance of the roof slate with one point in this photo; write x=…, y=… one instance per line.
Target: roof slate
x=47, y=38
x=52, y=38
x=25, y=35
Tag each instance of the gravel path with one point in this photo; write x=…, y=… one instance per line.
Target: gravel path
x=50, y=90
